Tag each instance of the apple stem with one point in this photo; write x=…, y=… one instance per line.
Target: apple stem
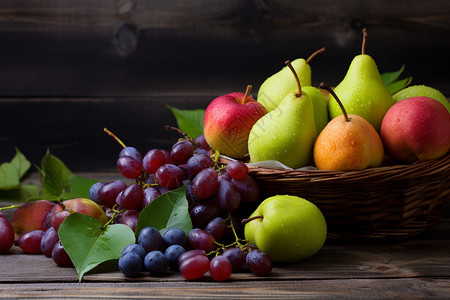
x=363, y=47
x=114, y=136
x=245, y=221
x=325, y=86
x=247, y=92
x=288, y=63
x=321, y=50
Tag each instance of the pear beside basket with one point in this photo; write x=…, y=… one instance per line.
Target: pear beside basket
x=383, y=203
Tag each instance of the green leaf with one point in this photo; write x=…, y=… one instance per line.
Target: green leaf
x=55, y=176
x=399, y=85
x=79, y=187
x=21, y=163
x=9, y=178
x=167, y=211
x=189, y=121
x=390, y=77
x=23, y=193
x=88, y=244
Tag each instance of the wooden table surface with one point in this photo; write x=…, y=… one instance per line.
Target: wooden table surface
x=415, y=268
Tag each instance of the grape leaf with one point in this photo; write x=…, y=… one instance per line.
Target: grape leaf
x=89, y=244
x=55, y=176
x=189, y=121
x=11, y=172
x=167, y=211
x=23, y=193
x=79, y=187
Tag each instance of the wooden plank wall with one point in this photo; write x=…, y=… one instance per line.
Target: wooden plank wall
x=69, y=68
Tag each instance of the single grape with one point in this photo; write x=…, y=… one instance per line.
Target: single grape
x=259, y=262
x=58, y=217
x=129, y=167
x=220, y=268
x=203, y=213
x=191, y=253
x=192, y=201
x=153, y=160
x=201, y=142
x=130, y=264
x=181, y=152
x=174, y=236
x=150, y=194
x=60, y=256
x=201, y=239
x=224, y=176
x=48, y=241
x=194, y=267
x=169, y=176
x=156, y=263
x=135, y=248
x=204, y=184
x=198, y=162
x=150, y=239
x=227, y=196
x=93, y=191
x=6, y=234
x=131, y=152
x=217, y=228
x=108, y=193
x=172, y=253
x=131, y=197
x=247, y=187
x=202, y=151
x=130, y=218
x=237, y=169
x=30, y=242
x=236, y=257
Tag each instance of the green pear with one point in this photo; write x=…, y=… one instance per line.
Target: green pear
x=320, y=106
x=362, y=91
x=424, y=91
x=287, y=133
x=287, y=228
x=275, y=88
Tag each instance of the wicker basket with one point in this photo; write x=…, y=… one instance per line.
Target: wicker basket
x=391, y=202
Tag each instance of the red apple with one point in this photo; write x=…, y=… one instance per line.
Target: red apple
x=416, y=128
x=30, y=216
x=228, y=120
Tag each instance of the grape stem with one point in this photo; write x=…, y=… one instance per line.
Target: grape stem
x=114, y=136
x=10, y=207
x=113, y=217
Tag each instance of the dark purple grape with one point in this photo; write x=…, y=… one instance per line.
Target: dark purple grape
x=228, y=197
x=247, y=187
x=108, y=193
x=220, y=268
x=202, y=151
x=236, y=257
x=201, y=142
x=167, y=158
x=204, y=184
x=174, y=236
x=30, y=242
x=150, y=239
x=131, y=152
x=181, y=152
x=130, y=218
x=93, y=191
x=172, y=253
x=129, y=167
x=192, y=201
x=203, y=213
x=138, y=249
x=48, y=241
x=156, y=263
x=150, y=194
x=217, y=228
x=60, y=256
x=169, y=176
x=259, y=262
x=6, y=234
x=131, y=197
x=153, y=160
x=198, y=162
x=130, y=264
x=201, y=239
x=237, y=169
x=224, y=176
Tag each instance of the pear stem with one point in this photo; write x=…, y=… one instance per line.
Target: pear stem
x=247, y=91
x=114, y=136
x=321, y=50
x=325, y=86
x=363, y=47
x=245, y=221
x=288, y=63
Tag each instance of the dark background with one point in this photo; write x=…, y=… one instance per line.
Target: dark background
x=70, y=68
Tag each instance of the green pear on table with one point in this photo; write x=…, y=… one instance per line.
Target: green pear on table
x=287, y=133
x=275, y=88
x=362, y=91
